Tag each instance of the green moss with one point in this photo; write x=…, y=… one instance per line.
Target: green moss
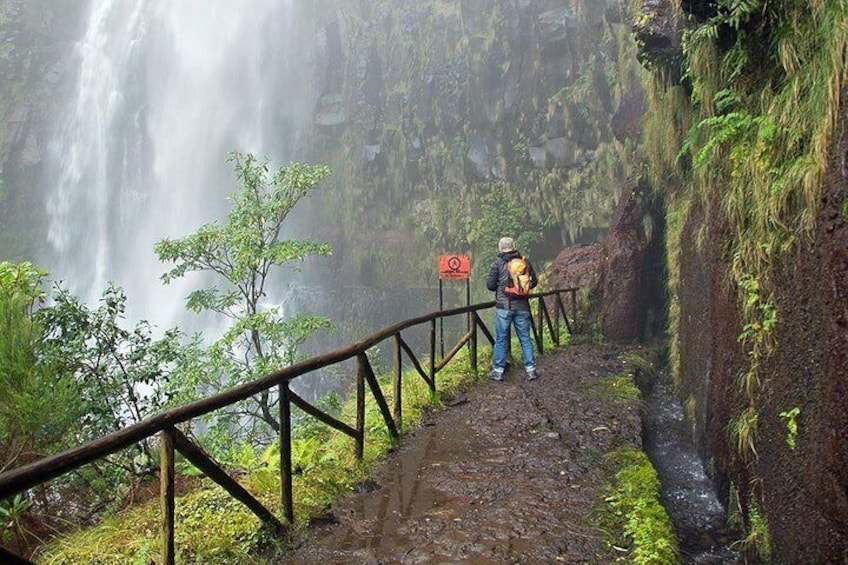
x=637, y=523
x=619, y=389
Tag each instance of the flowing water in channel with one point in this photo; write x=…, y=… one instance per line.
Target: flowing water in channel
x=688, y=495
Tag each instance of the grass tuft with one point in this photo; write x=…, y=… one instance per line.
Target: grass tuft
x=641, y=528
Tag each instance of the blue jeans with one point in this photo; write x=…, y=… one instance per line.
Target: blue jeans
x=521, y=320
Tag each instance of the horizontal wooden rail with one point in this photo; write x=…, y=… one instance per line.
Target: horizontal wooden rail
x=454, y=350
x=27, y=476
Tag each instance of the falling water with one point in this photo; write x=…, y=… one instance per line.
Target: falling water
x=163, y=92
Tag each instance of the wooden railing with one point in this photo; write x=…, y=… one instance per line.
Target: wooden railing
x=171, y=440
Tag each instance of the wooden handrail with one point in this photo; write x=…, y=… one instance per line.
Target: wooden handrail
x=27, y=476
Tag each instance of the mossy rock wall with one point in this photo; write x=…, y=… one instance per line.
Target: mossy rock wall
x=801, y=489
x=758, y=291
x=426, y=106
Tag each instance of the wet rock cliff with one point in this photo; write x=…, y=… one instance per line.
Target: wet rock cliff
x=760, y=340
x=426, y=109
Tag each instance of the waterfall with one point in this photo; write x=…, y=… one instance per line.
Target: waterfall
x=162, y=92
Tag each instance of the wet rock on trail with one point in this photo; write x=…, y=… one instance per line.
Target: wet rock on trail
x=508, y=473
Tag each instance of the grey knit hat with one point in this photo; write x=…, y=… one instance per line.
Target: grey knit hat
x=506, y=244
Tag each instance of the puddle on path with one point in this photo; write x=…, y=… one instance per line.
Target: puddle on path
x=688, y=494
x=404, y=496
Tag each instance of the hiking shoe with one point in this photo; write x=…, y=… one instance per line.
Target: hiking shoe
x=495, y=376
x=532, y=375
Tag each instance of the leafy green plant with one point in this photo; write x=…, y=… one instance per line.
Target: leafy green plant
x=244, y=253
x=122, y=372
x=11, y=518
x=760, y=320
x=757, y=539
x=761, y=315
x=23, y=280
x=744, y=431
x=790, y=418
x=101, y=374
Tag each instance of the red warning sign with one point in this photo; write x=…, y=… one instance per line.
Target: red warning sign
x=454, y=266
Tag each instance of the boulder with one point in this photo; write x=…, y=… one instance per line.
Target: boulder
x=612, y=273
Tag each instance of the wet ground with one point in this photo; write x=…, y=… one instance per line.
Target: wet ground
x=507, y=474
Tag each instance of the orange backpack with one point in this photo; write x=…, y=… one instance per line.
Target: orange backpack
x=519, y=272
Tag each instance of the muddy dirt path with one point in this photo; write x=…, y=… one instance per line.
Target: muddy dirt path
x=507, y=474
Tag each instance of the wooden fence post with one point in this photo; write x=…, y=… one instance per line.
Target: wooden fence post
x=535, y=332
x=433, y=355
x=360, y=407
x=574, y=305
x=286, y=495
x=561, y=308
x=541, y=326
x=557, y=299
x=166, y=495
x=472, y=345
x=397, y=383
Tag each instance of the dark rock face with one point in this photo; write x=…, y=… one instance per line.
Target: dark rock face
x=620, y=273
x=805, y=490
x=802, y=492
x=580, y=266
x=658, y=38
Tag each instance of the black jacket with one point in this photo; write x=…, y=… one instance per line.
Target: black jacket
x=499, y=279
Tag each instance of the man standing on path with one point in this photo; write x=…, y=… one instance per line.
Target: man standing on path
x=512, y=307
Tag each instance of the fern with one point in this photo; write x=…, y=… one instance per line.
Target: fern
x=736, y=13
